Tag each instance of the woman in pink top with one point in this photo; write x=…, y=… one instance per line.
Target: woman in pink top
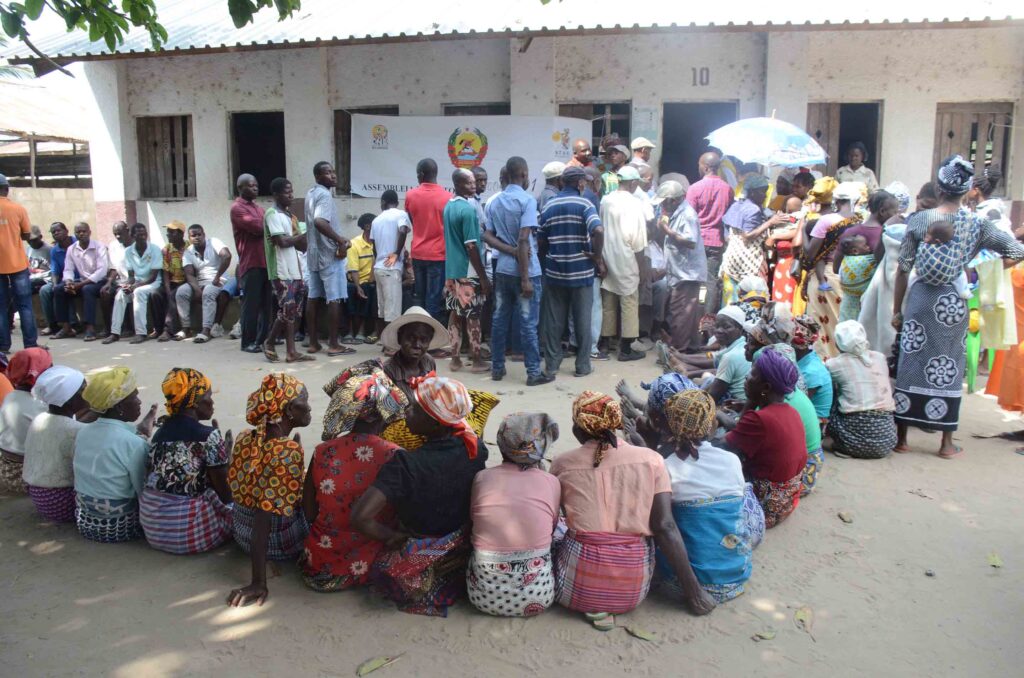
x=514, y=508
x=616, y=498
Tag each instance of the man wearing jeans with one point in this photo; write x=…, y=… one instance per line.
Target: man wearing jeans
x=15, y=286
x=511, y=227
x=251, y=272
x=425, y=206
x=85, y=271
x=326, y=260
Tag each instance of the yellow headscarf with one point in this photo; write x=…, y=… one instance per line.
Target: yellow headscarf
x=182, y=387
x=107, y=388
x=821, y=192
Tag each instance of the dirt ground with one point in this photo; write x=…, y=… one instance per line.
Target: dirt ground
x=72, y=607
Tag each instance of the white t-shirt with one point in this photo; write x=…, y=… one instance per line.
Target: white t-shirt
x=16, y=415
x=717, y=473
x=287, y=264
x=50, y=451
x=206, y=265
x=385, y=231
x=645, y=199
x=625, y=234
x=115, y=251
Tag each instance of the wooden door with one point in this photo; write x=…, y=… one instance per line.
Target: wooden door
x=979, y=132
x=823, y=126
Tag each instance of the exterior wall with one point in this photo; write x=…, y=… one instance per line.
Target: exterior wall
x=47, y=205
x=908, y=71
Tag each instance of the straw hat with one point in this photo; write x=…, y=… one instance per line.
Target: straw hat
x=415, y=314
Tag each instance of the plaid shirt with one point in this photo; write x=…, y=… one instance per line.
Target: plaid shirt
x=710, y=197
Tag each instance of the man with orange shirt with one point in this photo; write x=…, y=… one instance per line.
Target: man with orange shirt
x=15, y=286
x=425, y=206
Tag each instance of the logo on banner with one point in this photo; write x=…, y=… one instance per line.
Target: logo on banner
x=379, y=134
x=561, y=137
x=467, y=147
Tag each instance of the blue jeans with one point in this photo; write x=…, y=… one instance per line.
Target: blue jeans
x=16, y=290
x=429, y=292
x=596, y=316
x=89, y=294
x=507, y=300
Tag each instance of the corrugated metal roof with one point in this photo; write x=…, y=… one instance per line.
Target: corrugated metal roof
x=202, y=25
x=31, y=108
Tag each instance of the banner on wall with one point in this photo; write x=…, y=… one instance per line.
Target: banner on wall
x=386, y=148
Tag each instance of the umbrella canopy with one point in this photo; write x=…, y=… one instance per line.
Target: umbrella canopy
x=768, y=141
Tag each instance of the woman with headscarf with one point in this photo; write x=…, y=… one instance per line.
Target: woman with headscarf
x=899, y=190
x=50, y=444
x=715, y=510
x=751, y=295
x=423, y=565
x=514, y=509
x=409, y=338
x=862, y=424
x=929, y=386
x=186, y=505
x=769, y=437
x=817, y=380
x=363, y=401
x=110, y=458
x=856, y=271
x=835, y=203
x=617, y=502
x=16, y=414
x=649, y=426
x=265, y=478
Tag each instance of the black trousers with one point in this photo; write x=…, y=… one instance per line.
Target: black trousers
x=257, y=306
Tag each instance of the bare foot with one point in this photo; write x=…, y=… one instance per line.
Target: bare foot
x=313, y=348
x=629, y=410
x=479, y=367
x=901, y=448
x=626, y=392
x=456, y=364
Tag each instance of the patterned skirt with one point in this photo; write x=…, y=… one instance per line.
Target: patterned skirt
x=778, y=499
x=933, y=345
x=287, y=533
x=10, y=477
x=425, y=576
x=815, y=460
x=108, y=521
x=56, y=504
x=603, y=571
x=513, y=584
x=183, y=525
x=864, y=435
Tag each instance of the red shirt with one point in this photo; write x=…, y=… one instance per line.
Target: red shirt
x=710, y=197
x=425, y=207
x=772, y=442
x=247, y=225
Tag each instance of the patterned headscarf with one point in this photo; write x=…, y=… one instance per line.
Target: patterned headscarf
x=805, y=331
x=821, y=192
x=361, y=393
x=753, y=288
x=777, y=371
x=524, y=437
x=955, y=176
x=183, y=387
x=266, y=404
x=900, y=191
x=107, y=388
x=447, y=401
x=664, y=387
x=691, y=417
x=26, y=366
x=851, y=338
x=599, y=416
x=775, y=326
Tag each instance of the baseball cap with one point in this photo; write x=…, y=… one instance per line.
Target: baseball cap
x=669, y=189
x=642, y=142
x=628, y=173
x=621, y=149
x=754, y=182
x=572, y=174
x=553, y=169
x=175, y=226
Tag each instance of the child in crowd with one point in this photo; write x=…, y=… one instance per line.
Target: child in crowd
x=940, y=232
x=361, y=305
x=855, y=269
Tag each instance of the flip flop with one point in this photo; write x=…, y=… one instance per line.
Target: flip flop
x=959, y=451
x=372, y=339
x=301, y=359
x=271, y=355
x=90, y=336
x=343, y=350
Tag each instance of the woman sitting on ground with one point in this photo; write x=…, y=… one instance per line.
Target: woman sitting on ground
x=862, y=423
x=50, y=444
x=717, y=514
x=616, y=498
x=110, y=458
x=752, y=294
x=816, y=378
x=265, y=478
x=186, y=505
x=730, y=368
x=423, y=568
x=16, y=414
x=514, y=509
x=769, y=437
x=644, y=423
x=409, y=337
x=363, y=401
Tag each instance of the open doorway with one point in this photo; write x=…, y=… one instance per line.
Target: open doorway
x=684, y=126
x=835, y=126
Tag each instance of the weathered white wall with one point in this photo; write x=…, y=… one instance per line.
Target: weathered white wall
x=47, y=205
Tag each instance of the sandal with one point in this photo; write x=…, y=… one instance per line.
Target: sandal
x=959, y=451
x=270, y=354
x=372, y=339
x=341, y=350
x=301, y=359
x=90, y=336
x=164, y=337
x=179, y=336
x=349, y=339
x=65, y=334
x=201, y=338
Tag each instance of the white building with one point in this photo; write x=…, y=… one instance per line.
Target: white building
x=172, y=129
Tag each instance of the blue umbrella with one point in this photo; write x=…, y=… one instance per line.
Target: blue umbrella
x=767, y=141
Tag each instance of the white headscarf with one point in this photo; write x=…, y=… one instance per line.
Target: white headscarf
x=57, y=385
x=851, y=338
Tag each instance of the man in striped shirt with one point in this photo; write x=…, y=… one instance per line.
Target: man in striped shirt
x=570, y=241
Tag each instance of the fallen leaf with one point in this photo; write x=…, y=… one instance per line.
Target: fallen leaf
x=371, y=665
x=919, y=493
x=640, y=633
x=763, y=635
x=994, y=560
x=846, y=516
x=804, y=618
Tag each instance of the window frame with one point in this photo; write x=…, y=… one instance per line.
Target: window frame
x=174, y=178
x=234, y=165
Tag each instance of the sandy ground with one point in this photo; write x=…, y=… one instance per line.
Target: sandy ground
x=72, y=607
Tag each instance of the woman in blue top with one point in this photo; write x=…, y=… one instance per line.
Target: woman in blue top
x=816, y=377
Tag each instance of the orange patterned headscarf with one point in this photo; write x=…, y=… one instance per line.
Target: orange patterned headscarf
x=447, y=401
x=182, y=387
x=267, y=403
x=599, y=416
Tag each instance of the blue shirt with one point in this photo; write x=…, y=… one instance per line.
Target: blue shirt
x=567, y=223
x=511, y=210
x=744, y=215
x=143, y=265
x=57, y=256
x=685, y=263
x=817, y=376
x=732, y=366
x=110, y=460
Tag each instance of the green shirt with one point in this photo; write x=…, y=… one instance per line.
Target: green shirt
x=732, y=366
x=799, y=401
x=461, y=226
x=610, y=182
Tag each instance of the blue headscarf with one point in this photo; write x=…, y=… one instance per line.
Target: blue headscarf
x=663, y=388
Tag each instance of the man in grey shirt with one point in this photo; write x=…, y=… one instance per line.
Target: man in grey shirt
x=326, y=252
x=686, y=266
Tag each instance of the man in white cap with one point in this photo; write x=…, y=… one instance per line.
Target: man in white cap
x=552, y=182
x=625, y=230
x=686, y=266
x=641, y=150
x=15, y=283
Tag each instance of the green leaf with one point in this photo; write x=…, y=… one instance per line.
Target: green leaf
x=994, y=560
x=640, y=633
x=371, y=665
x=33, y=8
x=95, y=32
x=767, y=634
x=12, y=23
x=111, y=39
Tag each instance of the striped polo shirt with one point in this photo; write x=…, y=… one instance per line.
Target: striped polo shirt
x=567, y=222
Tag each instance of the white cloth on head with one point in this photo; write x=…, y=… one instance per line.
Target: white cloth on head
x=58, y=384
x=734, y=312
x=851, y=338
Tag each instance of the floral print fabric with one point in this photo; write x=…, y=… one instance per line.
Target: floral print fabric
x=268, y=476
x=181, y=451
